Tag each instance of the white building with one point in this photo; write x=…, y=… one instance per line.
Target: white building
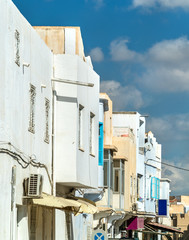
x=25, y=117
x=152, y=173
x=136, y=122
x=61, y=151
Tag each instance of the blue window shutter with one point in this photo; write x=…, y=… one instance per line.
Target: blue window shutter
x=153, y=187
x=101, y=144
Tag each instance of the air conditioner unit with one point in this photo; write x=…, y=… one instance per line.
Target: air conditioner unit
x=135, y=207
x=35, y=185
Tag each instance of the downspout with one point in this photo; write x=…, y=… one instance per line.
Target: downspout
x=53, y=189
x=145, y=178
x=13, y=204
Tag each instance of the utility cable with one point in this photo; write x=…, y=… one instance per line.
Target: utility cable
x=21, y=161
x=170, y=165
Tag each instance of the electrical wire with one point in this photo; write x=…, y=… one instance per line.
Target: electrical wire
x=25, y=160
x=170, y=165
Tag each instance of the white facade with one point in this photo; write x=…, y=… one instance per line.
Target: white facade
x=136, y=122
x=152, y=173
x=76, y=163
x=25, y=65
x=165, y=191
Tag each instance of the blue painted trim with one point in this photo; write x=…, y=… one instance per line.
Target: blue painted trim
x=101, y=144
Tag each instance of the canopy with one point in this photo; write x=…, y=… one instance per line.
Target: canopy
x=76, y=204
x=56, y=202
x=164, y=227
x=87, y=206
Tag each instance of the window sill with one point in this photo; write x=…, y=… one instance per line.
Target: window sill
x=81, y=149
x=92, y=155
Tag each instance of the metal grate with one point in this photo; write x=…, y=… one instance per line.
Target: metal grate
x=32, y=109
x=35, y=185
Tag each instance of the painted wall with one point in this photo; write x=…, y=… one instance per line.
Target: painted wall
x=136, y=122
x=153, y=169
x=70, y=64
x=108, y=130
x=63, y=40
x=75, y=167
x=15, y=83
x=127, y=148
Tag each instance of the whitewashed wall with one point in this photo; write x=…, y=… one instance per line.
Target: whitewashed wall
x=74, y=167
x=132, y=120
x=15, y=106
x=153, y=169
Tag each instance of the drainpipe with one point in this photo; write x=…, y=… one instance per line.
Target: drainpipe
x=53, y=190
x=13, y=204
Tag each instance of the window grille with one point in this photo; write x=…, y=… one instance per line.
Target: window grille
x=17, y=48
x=32, y=109
x=47, y=107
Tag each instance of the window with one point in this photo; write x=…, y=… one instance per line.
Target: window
x=155, y=188
x=92, y=133
x=118, y=176
x=134, y=187
x=47, y=107
x=33, y=223
x=39, y=227
x=111, y=174
x=17, y=48
x=101, y=145
x=106, y=173
x=108, y=170
x=131, y=188
x=80, y=135
x=116, y=180
x=32, y=109
x=139, y=177
x=123, y=181
x=158, y=188
x=106, y=154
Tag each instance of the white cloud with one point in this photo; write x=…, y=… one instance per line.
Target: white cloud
x=178, y=177
x=98, y=3
x=97, y=54
x=122, y=96
x=170, y=127
x=161, y=3
x=164, y=65
x=120, y=52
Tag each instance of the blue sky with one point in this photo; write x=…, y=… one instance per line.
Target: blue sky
x=140, y=48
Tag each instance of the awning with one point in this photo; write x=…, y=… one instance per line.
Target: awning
x=105, y=209
x=163, y=227
x=76, y=205
x=56, y=202
x=87, y=206
x=111, y=147
x=135, y=223
x=120, y=157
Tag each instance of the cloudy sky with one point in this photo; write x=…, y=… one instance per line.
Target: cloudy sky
x=140, y=48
